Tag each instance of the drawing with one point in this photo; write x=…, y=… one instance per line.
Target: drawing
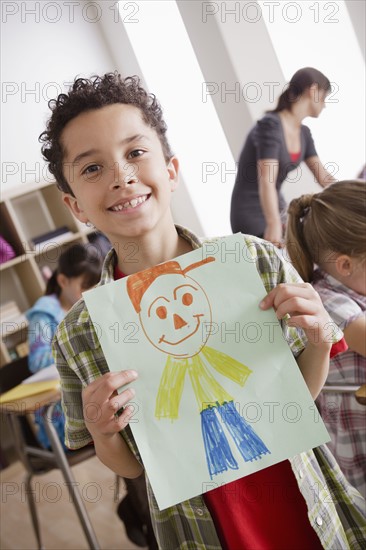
x=175, y=315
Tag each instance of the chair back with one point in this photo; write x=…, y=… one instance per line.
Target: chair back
x=13, y=374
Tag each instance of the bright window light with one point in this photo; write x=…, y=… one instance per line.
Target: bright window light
x=321, y=35
x=171, y=71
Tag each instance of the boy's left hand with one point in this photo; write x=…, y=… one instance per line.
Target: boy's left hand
x=304, y=307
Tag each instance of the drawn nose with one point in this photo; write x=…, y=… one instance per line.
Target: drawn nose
x=178, y=321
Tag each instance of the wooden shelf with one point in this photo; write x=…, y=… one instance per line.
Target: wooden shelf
x=25, y=213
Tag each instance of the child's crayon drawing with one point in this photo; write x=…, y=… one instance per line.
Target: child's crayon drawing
x=172, y=321
x=218, y=395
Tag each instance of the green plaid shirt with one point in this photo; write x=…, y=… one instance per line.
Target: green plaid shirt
x=335, y=509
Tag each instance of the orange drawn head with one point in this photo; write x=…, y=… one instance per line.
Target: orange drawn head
x=172, y=307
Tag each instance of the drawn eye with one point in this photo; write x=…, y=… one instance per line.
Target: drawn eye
x=161, y=312
x=187, y=299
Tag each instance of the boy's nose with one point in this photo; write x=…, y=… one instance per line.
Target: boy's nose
x=178, y=321
x=123, y=174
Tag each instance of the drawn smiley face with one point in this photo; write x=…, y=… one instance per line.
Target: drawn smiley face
x=176, y=315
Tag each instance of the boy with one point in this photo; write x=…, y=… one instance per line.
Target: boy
x=107, y=148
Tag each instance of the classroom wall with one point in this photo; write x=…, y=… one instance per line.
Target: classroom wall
x=44, y=45
x=42, y=50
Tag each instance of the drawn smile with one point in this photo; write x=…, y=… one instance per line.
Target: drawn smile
x=162, y=338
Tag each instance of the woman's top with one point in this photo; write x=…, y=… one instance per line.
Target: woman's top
x=43, y=319
x=266, y=140
x=344, y=417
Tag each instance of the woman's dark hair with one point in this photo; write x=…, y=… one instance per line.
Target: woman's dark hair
x=94, y=93
x=302, y=80
x=77, y=260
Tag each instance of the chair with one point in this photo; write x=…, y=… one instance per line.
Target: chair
x=36, y=460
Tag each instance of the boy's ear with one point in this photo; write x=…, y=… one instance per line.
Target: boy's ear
x=173, y=171
x=344, y=265
x=72, y=203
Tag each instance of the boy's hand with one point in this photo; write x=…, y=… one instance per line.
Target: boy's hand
x=101, y=403
x=304, y=307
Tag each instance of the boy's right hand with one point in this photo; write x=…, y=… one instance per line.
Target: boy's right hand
x=101, y=403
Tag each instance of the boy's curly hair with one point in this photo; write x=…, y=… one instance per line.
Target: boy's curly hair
x=94, y=93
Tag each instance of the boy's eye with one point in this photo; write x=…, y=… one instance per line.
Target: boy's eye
x=136, y=153
x=91, y=170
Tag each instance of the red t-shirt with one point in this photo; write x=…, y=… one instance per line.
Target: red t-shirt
x=339, y=347
x=118, y=273
x=262, y=511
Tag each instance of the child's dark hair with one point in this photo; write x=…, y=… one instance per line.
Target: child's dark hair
x=302, y=80
x=77, y=260
x=332, y=221
x=94, y=93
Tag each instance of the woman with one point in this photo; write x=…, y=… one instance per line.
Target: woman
x=277, y=144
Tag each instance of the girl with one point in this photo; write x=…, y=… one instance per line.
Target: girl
x=277, y=144
x=329, y=229
x=79, y=268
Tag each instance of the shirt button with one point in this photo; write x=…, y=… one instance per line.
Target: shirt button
x=199, y=511
x=319, y=521
x=301, y=475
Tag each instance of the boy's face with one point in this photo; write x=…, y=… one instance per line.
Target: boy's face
x=115, y=166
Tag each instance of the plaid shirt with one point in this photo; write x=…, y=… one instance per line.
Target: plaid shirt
x=344, y=417
x=334, y=507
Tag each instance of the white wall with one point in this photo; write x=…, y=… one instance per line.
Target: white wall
x=38, y=57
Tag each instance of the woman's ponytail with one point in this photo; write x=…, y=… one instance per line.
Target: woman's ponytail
x=301, y=81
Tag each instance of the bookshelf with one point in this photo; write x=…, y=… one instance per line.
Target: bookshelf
x=28, y=214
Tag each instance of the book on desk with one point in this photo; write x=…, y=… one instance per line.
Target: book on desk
x=44, y=380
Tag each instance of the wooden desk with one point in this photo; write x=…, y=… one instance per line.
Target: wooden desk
x=361, y=395
x=28, y=405
x=359, y=392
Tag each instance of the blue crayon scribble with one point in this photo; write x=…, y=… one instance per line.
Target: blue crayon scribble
x=218, y=453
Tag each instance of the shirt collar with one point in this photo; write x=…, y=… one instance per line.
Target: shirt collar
x=333, y=283
x=111, y=258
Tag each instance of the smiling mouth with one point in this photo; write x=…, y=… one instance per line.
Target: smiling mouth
x=132, y=203
x=162, y=338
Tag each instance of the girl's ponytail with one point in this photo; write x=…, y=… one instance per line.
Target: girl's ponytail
x=297, y=246
x=52, y=286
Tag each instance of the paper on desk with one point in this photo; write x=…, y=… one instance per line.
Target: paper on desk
x=26, y=390
x=49, y=373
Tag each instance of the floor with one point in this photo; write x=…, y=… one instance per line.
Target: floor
x=60, y=526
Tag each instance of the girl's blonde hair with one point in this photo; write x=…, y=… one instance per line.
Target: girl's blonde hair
x=333, y=221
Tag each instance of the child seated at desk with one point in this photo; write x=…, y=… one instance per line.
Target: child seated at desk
x=79, y=268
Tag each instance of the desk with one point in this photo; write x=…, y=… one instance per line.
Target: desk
x=361, y=395
x=28, y=405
